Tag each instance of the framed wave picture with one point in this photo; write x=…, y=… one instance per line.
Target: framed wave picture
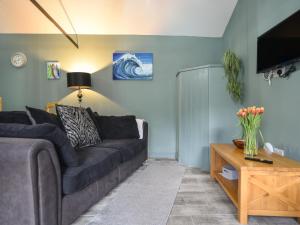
x=132, y=66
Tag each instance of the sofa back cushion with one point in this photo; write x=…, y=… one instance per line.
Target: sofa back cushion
x=14, y=117
x=67, y=155
x=79, y=126
x=39, y=116
x=117, y=127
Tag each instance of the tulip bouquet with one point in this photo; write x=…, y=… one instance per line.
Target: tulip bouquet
x=250, y=119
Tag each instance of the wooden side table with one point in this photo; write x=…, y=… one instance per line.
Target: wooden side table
x=261, y=189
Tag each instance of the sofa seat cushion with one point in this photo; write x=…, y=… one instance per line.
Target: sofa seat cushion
x=95, y=163
x=128, y=148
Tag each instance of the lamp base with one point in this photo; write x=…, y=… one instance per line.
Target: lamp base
x=79, y=95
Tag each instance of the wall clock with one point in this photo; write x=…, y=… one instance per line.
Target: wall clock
x=18, y=60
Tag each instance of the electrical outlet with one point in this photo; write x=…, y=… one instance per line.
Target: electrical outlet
x=279, y=151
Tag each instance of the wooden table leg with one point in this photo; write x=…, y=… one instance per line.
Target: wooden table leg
x=298, y=220
x=212, y=162
x=242, y=195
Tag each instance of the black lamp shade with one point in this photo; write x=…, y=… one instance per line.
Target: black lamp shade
x=79, y=80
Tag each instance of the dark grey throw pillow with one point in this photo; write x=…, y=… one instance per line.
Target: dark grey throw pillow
x=117, y=127
x=50, y=132
x=39, y=116
x=79, y=126
x=14, y=117
x=93, y=117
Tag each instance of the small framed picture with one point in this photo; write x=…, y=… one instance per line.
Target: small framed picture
x=53, y=70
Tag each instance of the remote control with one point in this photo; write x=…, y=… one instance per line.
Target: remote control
x=260, y=160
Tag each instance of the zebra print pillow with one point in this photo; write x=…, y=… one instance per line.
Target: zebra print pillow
x=80, y=128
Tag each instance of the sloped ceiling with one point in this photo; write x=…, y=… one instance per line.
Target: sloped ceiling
x=202, y=18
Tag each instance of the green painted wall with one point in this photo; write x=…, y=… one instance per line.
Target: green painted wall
x=281, y=124
x=154, y=100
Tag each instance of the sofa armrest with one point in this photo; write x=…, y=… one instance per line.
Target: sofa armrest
x=30, y=179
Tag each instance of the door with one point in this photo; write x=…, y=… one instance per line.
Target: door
x=193, y=118
x=223, y=123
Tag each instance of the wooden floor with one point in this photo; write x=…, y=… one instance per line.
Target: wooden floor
x=201, y=201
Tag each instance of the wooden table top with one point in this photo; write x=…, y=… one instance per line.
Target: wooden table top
x=235, y=157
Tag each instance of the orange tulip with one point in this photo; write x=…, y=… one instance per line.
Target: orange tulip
x=257, y=111
x=261, y=110
x=243, y=112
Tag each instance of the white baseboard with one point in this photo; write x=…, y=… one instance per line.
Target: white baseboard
x=162, y=155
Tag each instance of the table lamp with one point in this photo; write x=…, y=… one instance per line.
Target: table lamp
x=79, y=81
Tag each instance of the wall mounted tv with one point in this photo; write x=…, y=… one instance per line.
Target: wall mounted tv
x=279, y=46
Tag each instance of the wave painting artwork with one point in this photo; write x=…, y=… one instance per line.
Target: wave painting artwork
x=132, y=66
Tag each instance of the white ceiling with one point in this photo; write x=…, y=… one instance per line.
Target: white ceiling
x=202, y=18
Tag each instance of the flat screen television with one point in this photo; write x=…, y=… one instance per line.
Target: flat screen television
x=280, y=45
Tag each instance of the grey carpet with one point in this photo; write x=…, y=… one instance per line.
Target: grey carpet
x=145, y=198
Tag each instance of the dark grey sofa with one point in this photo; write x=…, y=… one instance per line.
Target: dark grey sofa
x=36, y=190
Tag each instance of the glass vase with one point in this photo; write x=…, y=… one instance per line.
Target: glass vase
x=250, y=149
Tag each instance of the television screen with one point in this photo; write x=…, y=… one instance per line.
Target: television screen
x=280, y=45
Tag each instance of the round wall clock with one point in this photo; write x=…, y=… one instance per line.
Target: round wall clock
x=19, y=59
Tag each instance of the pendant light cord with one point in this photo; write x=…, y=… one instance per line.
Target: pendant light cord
x=69, y=19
